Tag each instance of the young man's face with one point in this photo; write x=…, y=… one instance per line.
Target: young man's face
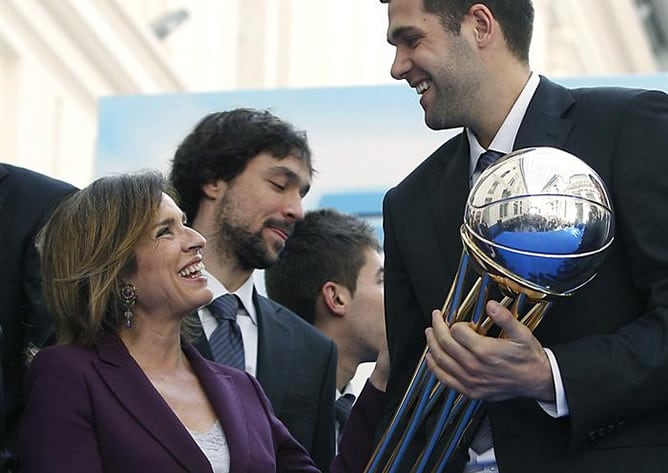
x=259, y=208
x=441, y=66
x=367, y=306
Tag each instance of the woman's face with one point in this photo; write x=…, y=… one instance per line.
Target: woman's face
x=169, y=277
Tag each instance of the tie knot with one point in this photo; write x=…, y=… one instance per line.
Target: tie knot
x=486, y=159
x=342, y=407
x=346, y=400
x=225, y=307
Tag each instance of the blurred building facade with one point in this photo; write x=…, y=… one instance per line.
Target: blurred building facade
x=57, y=57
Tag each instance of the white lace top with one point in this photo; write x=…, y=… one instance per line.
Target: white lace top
x=214, y=446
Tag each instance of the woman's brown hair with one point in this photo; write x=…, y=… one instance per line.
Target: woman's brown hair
x=86, y=247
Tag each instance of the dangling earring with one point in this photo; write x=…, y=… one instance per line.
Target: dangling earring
x=128, y=295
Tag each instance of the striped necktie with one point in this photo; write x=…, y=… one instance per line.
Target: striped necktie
x=482, y=440
x=486, y=159
x=226, y=343
x=342, y=407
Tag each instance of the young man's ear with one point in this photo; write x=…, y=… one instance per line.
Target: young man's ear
x=335, y=297
x=483, y=24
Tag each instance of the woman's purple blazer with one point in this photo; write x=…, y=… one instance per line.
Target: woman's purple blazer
x=93, y=410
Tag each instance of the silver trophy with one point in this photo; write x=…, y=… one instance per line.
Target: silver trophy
x=537, y=225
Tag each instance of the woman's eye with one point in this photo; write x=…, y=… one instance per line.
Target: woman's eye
x=163, y=231
x=278, y=186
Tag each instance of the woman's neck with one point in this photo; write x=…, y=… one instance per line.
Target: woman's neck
x=155, y=348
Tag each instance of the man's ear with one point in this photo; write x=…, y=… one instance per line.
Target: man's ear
x=335, y=297
x=212, y=190
x=484, y=24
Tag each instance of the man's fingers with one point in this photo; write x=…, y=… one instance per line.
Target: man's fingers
x=505, y=320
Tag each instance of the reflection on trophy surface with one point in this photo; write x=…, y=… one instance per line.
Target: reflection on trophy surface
x=536, y=227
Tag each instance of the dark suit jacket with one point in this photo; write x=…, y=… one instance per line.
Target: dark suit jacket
x=296, y=366
x=610, y=338
x=26, y=198
x=92, y=409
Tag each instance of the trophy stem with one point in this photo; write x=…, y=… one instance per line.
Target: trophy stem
x=464, y=423
x=409, y=399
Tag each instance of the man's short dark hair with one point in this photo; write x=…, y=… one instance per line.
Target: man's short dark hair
x=221, y=145
x=327, y=245
x=514, y=16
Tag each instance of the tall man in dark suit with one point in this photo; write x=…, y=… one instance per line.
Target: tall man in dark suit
x=241, y=176
x=588, y=392
x=26, y=199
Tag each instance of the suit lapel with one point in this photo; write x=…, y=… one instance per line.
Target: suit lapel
x=543, y=124
x=200, y=342
x=4, y=172
x=224, y=399
x=273, y=360
x=449, y=191
x=137, y=395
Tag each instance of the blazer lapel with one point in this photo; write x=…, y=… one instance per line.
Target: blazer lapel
x=449, y=191
x=224, y=399
x=543, y=124
x=273, y=360
x=137, y=395
x=200, y=342
x=4, y=172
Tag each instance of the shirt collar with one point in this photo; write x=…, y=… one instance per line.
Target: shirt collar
x=347, y=389
x=504, y=139
x=245, y=293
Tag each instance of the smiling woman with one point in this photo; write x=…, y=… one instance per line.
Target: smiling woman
x=123, y=390
x=168, y=268
x=87, y=247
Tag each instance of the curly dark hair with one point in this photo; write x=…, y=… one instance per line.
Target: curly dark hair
x=221, y=145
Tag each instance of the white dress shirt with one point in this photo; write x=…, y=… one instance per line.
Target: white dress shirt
x=246, y=318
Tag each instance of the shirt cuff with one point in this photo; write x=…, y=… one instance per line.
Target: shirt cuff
x=558, y=408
